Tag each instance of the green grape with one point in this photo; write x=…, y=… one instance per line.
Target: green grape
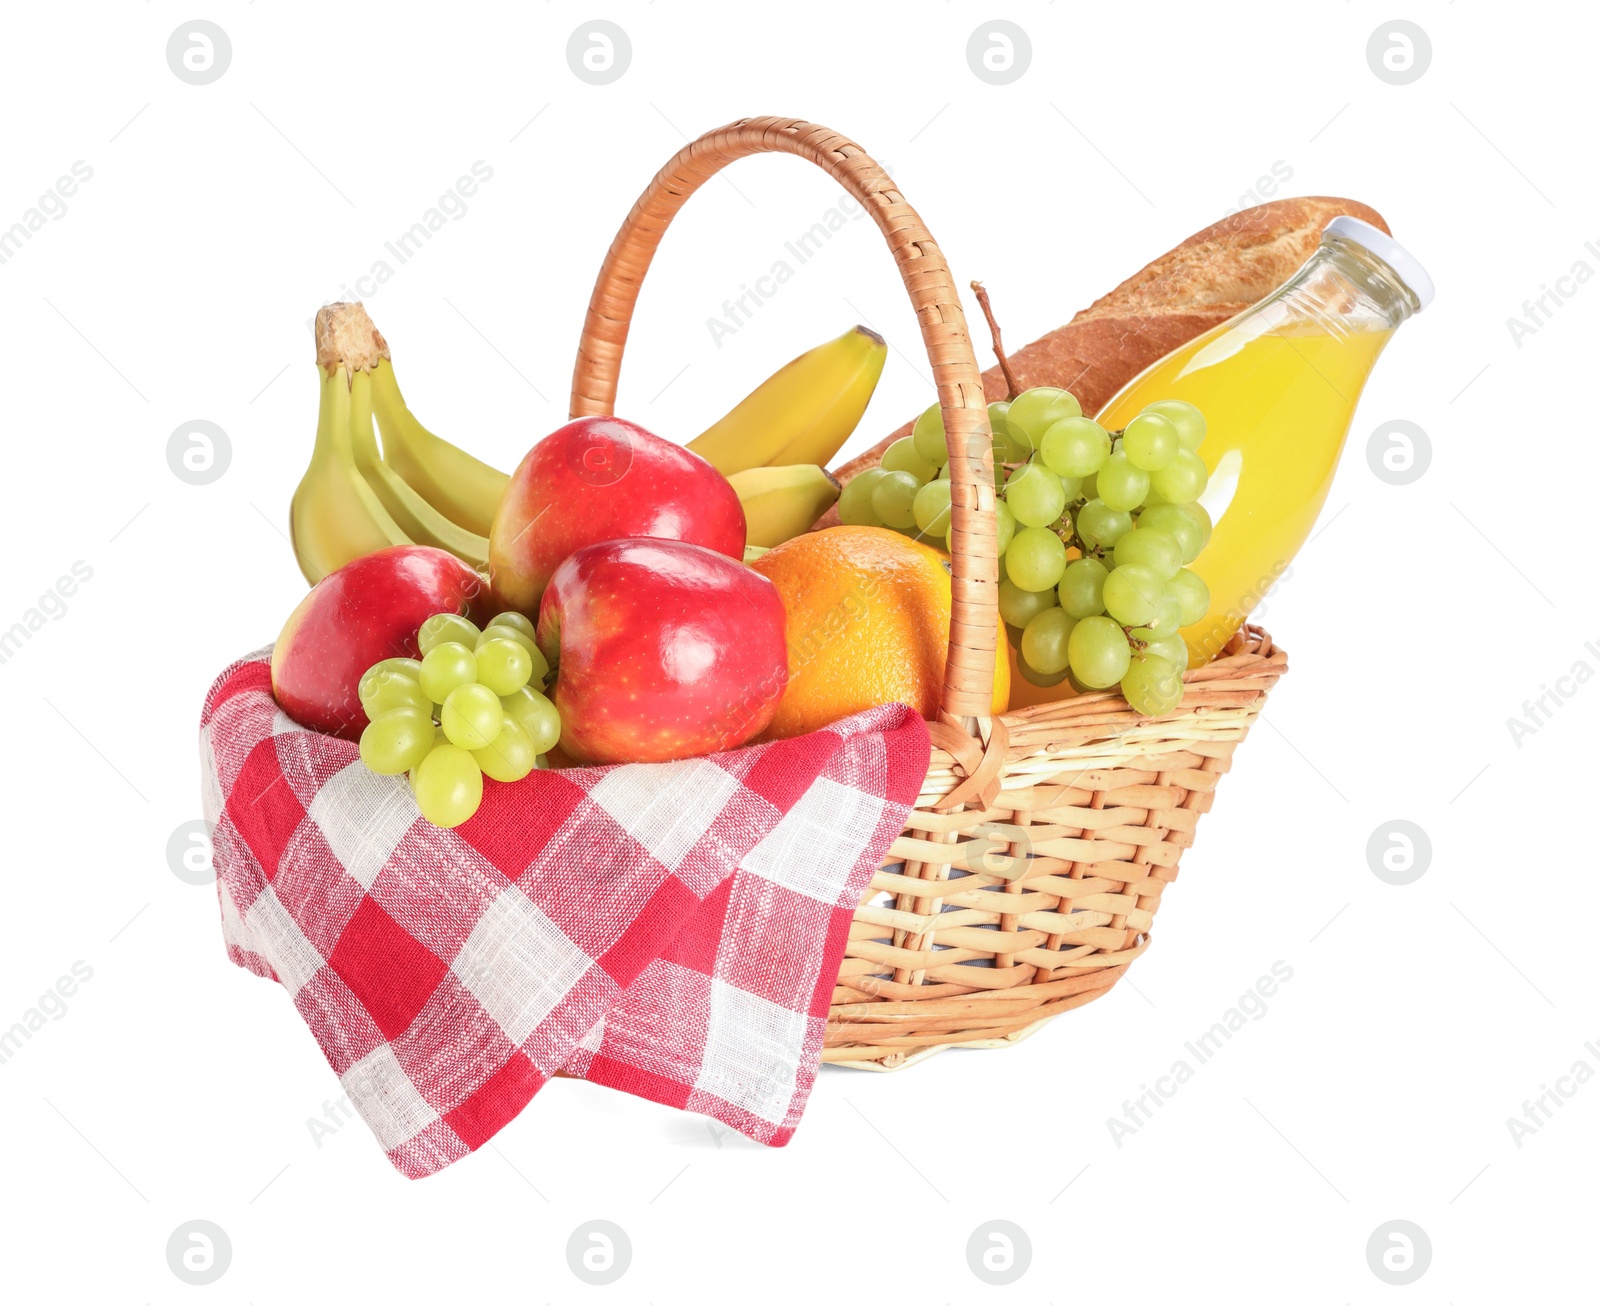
x=1035, y=411
x=1189, y=420
x=1075, y=446
x=1199, y=513
x=1172, y=648
x=855, y=500
x=1014, y=636
x=1145, y=546
x=510, y=756
x=1019, y=606
x=1072, y=487
x=1170, y=519
x=1100, y=526
x=1036, y=559
x=1089, y=486
x=407, y=666
x=1152, y=685
x=1005, y=528
x=1097, y=652
x=1150, y=441
x=439, y=741
x=1038, y=677
x=385, y=689
x=445, y=628
x=1082, y=587
x=471, y=716
x=1044, y=642
x=1181, y=480
x=514, y=633
x=902, y=456
x=504, y=666
x=1122, y=485
x=448, y=786
x=537, y=715
x=1165, y=621
x=1193, y=596
x=446, y=667
x=541, y=666
x=892, y=498
x=1131, y=595
x=515, y=620
x=927, y=436
x=931, y=507
x=396, y=741
x=1035, y=495
x=1008, y=448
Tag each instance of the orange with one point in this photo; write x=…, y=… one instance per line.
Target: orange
x=869, y=623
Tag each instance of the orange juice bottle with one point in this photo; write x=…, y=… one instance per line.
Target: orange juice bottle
x=1278, y=386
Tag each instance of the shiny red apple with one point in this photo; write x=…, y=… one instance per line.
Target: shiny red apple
x=603, y=478
x=661, y=650
x=366, y=611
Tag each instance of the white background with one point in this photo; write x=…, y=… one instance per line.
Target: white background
x=1377, y=1086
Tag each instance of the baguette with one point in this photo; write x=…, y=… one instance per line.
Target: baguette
x=1213, y=275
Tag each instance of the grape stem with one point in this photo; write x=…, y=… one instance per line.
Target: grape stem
x=1013, y=386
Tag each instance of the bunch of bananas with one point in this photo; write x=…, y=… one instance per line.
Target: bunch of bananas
x=357, y=497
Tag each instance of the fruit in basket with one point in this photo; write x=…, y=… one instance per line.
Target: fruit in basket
x=782, y=502
x=475, y=701
x=464, y=489
x=868, y=622
x=356, y=498
x=804, y=412
x=448, y=785
x=598, y=479
x=397, y=740
x=364, y=613
x=1095, y=579
x=662, y=649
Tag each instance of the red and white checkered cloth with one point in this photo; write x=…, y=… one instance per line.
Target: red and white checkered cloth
x=673, y=930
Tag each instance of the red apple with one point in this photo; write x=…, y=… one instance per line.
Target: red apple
x=603, y=478
x=662, y=650
x=366, y=611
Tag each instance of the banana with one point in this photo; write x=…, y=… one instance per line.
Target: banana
x=803, y=412
x=418, y=518
x=335, y=516
x=782, y=502
x=458, y=485
x=351, y=502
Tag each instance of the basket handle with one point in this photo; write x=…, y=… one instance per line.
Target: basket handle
x=969, y=667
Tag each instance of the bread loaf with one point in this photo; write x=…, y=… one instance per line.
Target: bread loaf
x=1213, y=275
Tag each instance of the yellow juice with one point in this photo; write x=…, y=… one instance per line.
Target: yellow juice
x=1278, y=393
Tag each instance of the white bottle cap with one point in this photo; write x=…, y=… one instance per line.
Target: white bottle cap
x=1384, y=246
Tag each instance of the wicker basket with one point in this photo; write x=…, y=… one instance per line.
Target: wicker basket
x=1029, y=871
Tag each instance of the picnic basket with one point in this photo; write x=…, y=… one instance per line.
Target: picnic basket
x=1030, y=870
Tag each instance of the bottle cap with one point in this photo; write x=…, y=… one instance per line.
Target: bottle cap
x=1384, y=246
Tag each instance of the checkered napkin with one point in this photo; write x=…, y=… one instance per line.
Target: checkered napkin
x=673, y=930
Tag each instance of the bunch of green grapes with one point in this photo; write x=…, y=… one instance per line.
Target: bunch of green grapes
x=1095, y=531
x=909, y=491
x=471, y=707
x=1094, y=581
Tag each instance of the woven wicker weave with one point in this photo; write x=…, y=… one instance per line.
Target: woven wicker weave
x=1074, y=813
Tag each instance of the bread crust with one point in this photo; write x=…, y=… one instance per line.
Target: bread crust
x=1199, y=284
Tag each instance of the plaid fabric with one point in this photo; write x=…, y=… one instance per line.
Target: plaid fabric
x=671, y=930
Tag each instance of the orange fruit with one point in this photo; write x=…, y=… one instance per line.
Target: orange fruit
x=868, y=623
